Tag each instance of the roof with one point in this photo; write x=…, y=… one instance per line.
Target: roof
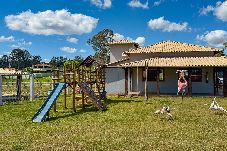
x=119, y=61
x=125, y=41
x=9, y=71
x=90, y=60
x=171, y=46
x=178, y=62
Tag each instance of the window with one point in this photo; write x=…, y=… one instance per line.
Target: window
x=196, y=75
x=152, y=74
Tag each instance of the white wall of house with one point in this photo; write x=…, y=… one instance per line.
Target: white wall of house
x=169, y=85
x=203, y=87
x=117, y=50
x=115, y=80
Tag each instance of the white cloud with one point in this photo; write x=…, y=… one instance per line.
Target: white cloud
x=214, y=38
x=68, y=49
x=157, y=3
x=59, y=22
x=102, y=3
x=137, y=3
x=220, y=10
x=21, y=43
x=206, y=10
x=118, y=36
x=83, y=50
x=6, y=39
x=72, y=40
x=139, y=40
x=165, y=25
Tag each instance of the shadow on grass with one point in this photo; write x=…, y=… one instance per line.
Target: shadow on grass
x=70, y=114
x=109, y=101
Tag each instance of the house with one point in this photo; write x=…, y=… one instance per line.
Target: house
x=41, y=68
x=129, y=65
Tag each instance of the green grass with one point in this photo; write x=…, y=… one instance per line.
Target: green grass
x=128, y=124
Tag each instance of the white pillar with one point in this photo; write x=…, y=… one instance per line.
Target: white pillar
x=129, y=80
x=32, y=87
x=1, y=102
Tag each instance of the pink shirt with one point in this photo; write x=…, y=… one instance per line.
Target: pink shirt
x=181, y=85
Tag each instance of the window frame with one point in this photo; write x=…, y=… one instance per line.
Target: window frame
x=194, y=76
x=154, y=69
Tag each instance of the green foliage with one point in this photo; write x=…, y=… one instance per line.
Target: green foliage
x=70, y=63
x=225, y=44
x=220, y=53
x=99, y=43
x=128, y=124
x=57, y=62
x=36, y=60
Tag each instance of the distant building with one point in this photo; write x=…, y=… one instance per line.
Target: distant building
x=41, y=68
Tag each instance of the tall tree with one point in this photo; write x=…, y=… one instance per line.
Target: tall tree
x=225, y=44
x=36, y=59
x=4, y=61
x=57, y=62
x=20, y=58
x=99, y=43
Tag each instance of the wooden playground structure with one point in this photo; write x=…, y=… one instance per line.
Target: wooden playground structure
x=86, y=79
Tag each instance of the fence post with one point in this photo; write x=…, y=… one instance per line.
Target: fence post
x=32, y=87
x=1, y=102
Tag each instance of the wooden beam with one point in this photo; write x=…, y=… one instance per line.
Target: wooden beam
x=157, y=82
x=137, y=79
x=65, y=92
x=1, y=102
x=145, y=95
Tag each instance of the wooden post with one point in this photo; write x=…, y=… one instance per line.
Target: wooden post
x=157, y=82
x=1, y=101
x=214, y=80
x=137, y=79
x=65, y=91
x=83, y=107
x=74, y=90
x=32, y=92
x=146, y=96
x=19, y=80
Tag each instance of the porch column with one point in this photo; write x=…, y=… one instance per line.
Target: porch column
x=1, y=102
x=225, y=82
x=145, y=86
x=126, y=81
x=137, y=79
x=157, y=81
x=129, y=80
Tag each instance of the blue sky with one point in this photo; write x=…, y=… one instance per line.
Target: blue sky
x=61, y=28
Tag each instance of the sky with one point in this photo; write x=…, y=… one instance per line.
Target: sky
x=62, y=27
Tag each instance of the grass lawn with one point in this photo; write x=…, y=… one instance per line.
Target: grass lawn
x=128, y=124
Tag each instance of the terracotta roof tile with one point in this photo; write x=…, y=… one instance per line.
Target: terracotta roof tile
x=125, y=41
x=171, y=46
x=179, y=62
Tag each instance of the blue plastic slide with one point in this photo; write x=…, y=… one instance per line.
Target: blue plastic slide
x=48, y=103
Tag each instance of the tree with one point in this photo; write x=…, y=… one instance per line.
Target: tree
x=4, y=61
x=36, y=60
x=78, y=58
x=57, y=62
x=99, y=43
x=225, y=44
x=20, y=58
